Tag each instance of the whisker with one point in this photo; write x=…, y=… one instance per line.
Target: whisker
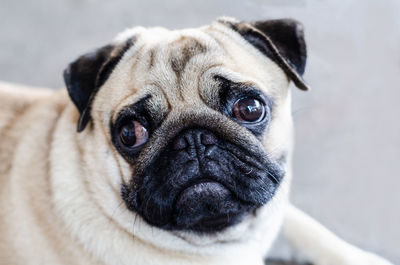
x=134, y=223
x=273, y=178
x=116, y=208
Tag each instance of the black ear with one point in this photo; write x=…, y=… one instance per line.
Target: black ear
x=282, y=40
x=88, y=73
x=81, y=77
x=288, y=36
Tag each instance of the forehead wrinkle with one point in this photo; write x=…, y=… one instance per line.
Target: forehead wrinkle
x=160, y=74
x=192, y=86
x=196, y=67
x=199, y=64
x=183, y=50
x=155, y=84
x=162, y=80
x=239, y=78
x=199, y=77
x=151, y=59
x=173, y=48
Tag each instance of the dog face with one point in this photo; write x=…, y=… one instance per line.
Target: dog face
x=191, y=129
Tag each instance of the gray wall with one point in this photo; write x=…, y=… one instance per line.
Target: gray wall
x=347, y=155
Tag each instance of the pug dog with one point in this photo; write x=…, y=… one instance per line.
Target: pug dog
x=167, y=147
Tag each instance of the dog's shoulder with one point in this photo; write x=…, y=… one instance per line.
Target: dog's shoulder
x=15, y=99
x=25, y=111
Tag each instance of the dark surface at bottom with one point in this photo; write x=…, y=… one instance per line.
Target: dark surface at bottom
x=283, y=262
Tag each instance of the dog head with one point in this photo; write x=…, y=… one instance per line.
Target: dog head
x=190, y=129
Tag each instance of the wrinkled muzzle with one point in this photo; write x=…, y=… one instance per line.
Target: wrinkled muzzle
x=201, y=172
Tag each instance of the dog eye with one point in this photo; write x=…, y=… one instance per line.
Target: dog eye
x=133, y=134
x=249, y=110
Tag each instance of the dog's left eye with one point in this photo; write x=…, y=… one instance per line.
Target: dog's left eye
x=133, y=134
x=249, y=110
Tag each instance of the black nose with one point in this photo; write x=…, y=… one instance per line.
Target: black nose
x=194, y=138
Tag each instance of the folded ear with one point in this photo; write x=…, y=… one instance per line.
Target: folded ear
x=282, y=40
x=84, y=77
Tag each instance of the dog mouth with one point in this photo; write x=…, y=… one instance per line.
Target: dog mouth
x=206, y=205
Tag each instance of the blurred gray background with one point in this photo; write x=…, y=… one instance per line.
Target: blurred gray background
x=347, y=157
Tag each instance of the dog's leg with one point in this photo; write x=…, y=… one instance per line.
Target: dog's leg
x=320, y=245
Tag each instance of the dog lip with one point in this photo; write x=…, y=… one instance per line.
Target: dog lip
x=215, y=221
x=207, y=206
x=199, y=189
x=201, y=185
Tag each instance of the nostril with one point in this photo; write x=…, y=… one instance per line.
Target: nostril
x=180, y=144
x=208, y=138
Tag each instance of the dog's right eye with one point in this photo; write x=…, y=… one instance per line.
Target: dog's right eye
x=133, y=134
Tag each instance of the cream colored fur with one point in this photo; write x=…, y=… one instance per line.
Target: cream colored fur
x=60, y=197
